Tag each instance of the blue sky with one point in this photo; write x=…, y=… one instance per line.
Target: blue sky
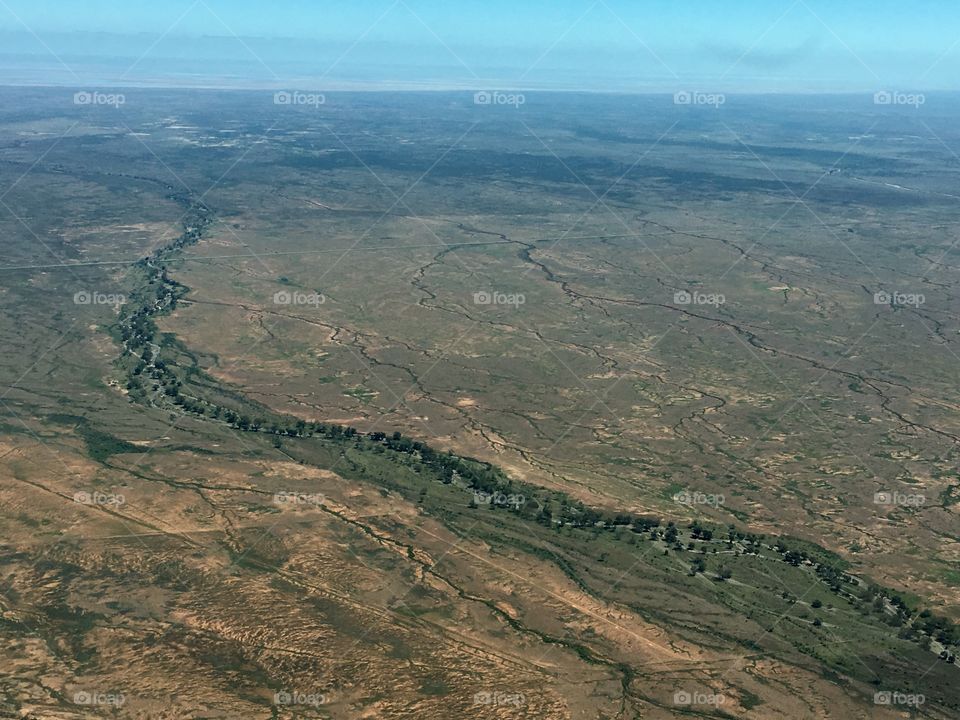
x=758, y=45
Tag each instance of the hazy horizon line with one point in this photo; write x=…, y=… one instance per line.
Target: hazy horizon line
x=423, y=86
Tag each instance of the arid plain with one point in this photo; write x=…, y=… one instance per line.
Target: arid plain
x=397, y=405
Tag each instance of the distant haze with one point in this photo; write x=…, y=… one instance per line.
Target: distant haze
x=737, y=45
